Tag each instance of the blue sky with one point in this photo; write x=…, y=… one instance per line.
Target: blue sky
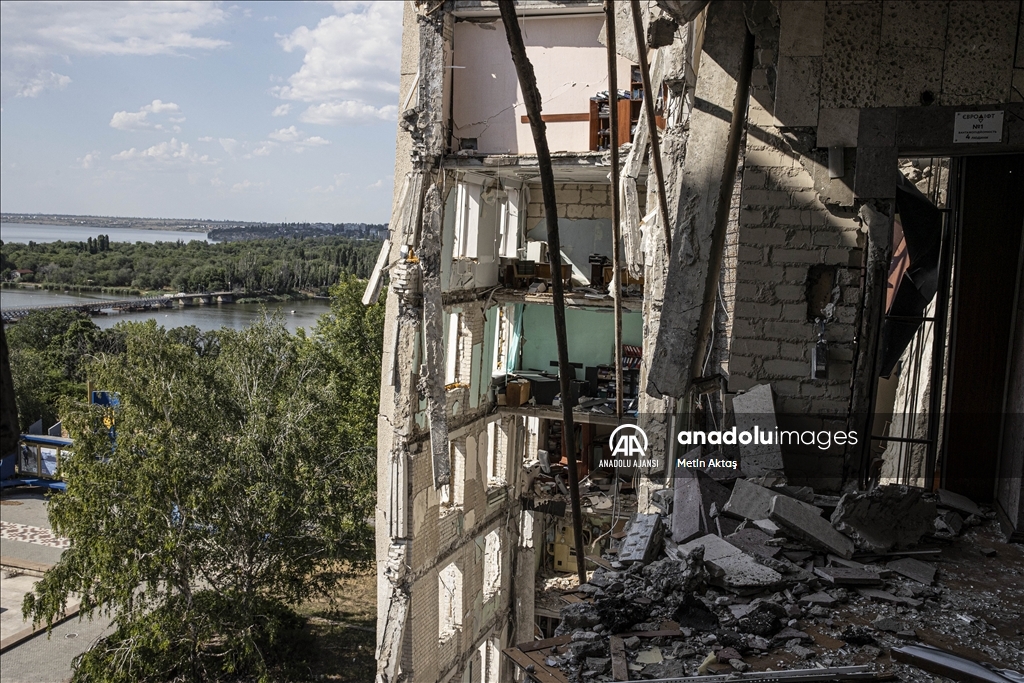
x=247, y=111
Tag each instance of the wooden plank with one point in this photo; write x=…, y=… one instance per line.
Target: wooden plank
x=620, y=670
x=540, y=663
x=544, y=644
x=538, y=673
x=559, y=118
x=600, y=562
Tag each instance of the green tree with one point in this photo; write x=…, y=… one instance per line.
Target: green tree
x=229, y=493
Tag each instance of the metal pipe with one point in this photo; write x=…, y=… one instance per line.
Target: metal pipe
x=613, y=147
x=652, y=123
x=532, y=101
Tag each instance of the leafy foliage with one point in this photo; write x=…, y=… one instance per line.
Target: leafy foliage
x=239, y=483
x=47, y=354
x=268, y=265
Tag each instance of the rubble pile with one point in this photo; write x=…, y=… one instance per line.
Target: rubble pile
x=803, y=581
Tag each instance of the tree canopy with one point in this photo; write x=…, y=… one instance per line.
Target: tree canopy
x=238, y=480
x=263, y=265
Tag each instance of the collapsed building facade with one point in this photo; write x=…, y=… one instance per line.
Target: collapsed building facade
x=842, y=184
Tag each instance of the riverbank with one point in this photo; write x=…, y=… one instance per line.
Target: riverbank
x=126, y=292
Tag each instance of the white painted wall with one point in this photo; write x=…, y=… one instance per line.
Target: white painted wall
x=571, y=67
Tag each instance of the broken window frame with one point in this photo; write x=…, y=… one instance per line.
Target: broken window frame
x=493, y=565
x=449, y=602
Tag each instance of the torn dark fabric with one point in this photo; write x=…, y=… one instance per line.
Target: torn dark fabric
x=921, y=222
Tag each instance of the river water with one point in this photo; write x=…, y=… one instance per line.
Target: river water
x=295, y=314
x=29, y=232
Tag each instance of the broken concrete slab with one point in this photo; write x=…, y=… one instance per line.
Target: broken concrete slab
x=820, y=598
x=750, y=501
x=643, y=540
x=730, y=567
x=767, y=526
x=694, y=497
x=919, y=571
x=950, y=522
x=844, y=576
x=755, y=408
x=882, y=572
x=753, y=541
x=795, y=517
x=886, y=596
x=955, y=501
x=886, y=517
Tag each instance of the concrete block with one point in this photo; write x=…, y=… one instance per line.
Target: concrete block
x=767, y=526
x=796, y=102
x=885, y=518
x=851, y=40
x=838, y=127
x=755, y=408
x=729, y=567
x=905, y=73
x=980, y=52
x=919, y=571
x=960, y=503
x=914, y=23
x=814, y=529
x=886, y=596
x=847, y=576
x=801, y=30
x=643, y=540
x=786, y=368
x=752, y=541
x=874, y=176
x=750, y=501
x=695, y=493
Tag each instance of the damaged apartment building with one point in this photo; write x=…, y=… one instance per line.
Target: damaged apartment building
x=820, y=210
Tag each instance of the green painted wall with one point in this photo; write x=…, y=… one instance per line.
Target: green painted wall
x=591, y=336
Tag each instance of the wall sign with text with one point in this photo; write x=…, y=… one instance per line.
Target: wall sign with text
x=978, y=126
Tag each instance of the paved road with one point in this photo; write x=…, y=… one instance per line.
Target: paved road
x=25, y=535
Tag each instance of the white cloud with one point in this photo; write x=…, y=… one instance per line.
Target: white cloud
x=377, y=185
x=89, y=160
x=349, y=74
x=230, y=145
x=41, y=37
x=281, y=110
x=247, y=185
x=139, y=120
x=164, y=154
x=291, y=139
x=206, y=138
x=348, y=111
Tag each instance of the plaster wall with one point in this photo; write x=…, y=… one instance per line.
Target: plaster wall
x=571, y=67
x=591, y=337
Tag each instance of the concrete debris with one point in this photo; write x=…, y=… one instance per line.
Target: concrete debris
x=753, y=541
x=755, y=408
x=730, y=606
x=845, y=576
x=753, y=502
x=730, y=567
x=949, y=522
x=886, y=596
x=767, y=526
x=922, y=572
x=955, y=501
x=796, y=518
x=885, y=518
x=643, y=540
x=695, y=496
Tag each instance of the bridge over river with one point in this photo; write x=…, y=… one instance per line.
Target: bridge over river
x=98, y=306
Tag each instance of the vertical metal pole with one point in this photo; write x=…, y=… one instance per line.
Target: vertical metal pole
x=532, y=101
x=652, y=122
x=949, y=230
x=613, y=145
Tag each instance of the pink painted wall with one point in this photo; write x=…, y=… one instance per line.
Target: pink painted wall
x=571, y=67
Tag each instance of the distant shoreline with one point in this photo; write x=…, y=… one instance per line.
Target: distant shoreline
x=110, y=222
